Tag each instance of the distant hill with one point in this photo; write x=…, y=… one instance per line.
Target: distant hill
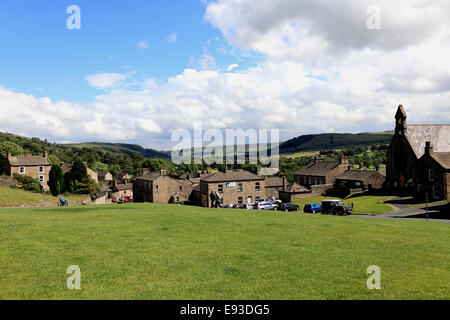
x=36, y=145
x=128, y=149
x=328, y=141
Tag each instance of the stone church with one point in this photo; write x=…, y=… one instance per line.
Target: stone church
x=408, y=145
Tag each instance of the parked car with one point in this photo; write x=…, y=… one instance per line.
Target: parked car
x=228, y=206
x=250, y=206
x=312, y=208
x=336, y=207
x=289, y=207
x=265, y=206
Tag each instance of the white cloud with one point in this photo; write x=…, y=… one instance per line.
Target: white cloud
x=143, y=45
x=173, y=37
x=323, y=71
x=106, y=80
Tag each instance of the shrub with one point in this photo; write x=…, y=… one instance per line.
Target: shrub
x=28, y=183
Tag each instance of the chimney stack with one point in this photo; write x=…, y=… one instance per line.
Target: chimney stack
x=163, y=171
x=361, y=165
x=45, y=155
x=428, y=148
x=344, y=160
x=259, y=172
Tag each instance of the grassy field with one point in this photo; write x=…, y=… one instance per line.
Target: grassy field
x=362, y=204
x=12, y=197
x=149, y=251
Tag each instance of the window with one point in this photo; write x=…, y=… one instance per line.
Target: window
x=430, y=175
x=257, y=186
x=240, y=200
x=249, y=199
x=181, y=189
x=22, y=170
x=41, y=178
x=41, y=169
x=358, y=184
x=156, y=187
x=435, y=193
x=240, y=187
x=257, y=198
x=220, y=188
x=178, y=199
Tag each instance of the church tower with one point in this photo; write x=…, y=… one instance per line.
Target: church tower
x=400, y=121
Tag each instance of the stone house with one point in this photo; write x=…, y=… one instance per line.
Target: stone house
x=158, y=187
x=91, y=173
x=121, y=190
x=105, y=176
x=37, y=167
x=320, y=172
x=273, y=186
x=232, y=187
x=408, y=146
x=294, y=192
x=432, y=175
x=362, y=180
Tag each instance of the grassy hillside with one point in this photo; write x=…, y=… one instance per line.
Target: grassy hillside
x=129, y=149
x=146, y=251
x=13, y=197
x=330, y=141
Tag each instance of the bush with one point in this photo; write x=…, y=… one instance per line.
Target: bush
x=28, y=183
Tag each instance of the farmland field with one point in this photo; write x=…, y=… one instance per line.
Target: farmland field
x=150, y=251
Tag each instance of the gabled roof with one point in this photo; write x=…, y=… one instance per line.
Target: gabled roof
x=231, y=176
x=443, y=158
x=29, y=161
x=149, y=176
x=320, y=168
x=437, y=134
x=122, y=187
x=296, y=188
x=358, y=175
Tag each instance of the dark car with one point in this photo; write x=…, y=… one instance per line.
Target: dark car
x=312, y=208
x=289, y=207
x=336, y=207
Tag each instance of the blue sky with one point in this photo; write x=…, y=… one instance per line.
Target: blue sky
x=42, y=57
x=140, y=69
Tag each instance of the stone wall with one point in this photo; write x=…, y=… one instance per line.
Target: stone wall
x=231, y=194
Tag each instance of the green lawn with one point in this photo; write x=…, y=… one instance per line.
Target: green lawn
x=147, y=251
x=13, y=197
x=362, y=204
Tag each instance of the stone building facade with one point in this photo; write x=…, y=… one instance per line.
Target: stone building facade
x=364, y=180
x=432, y=174
x=320, y=172
x=232, y=187
x=37, y=167
x=407, y=147
x=158, y=187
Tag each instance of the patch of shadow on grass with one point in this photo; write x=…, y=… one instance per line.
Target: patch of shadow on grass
x=230, y=270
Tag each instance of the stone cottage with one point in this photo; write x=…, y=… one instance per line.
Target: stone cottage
x=37, y=167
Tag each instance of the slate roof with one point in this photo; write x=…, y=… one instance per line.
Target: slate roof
x=319, y=169
x=231, y=176
x=437, y=134
x=149, y=176
x=443, y=158
x=123, y=186
x=357, y=175
x=296, y=188
x=29, y=161
x=274, y=182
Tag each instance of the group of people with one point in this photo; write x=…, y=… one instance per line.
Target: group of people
x=63, y=203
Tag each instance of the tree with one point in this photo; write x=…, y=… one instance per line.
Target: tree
x=56, y=180
x=7, y=146
x=79, y=171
